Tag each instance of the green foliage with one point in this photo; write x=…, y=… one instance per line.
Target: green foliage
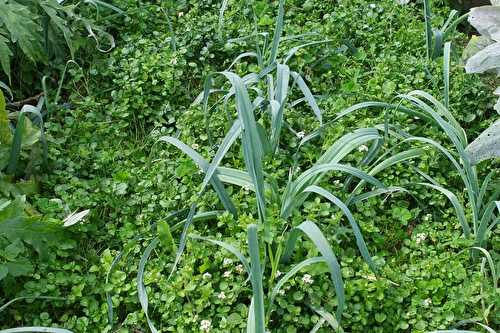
x=103, y=156
x=40, y=29
x=20, y=235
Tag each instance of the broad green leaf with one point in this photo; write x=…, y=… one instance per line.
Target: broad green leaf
x=486, y=145
x=486, y=20
x=23, y=28
x=486, y=59
x=476, y=44
x=5, y=55
x=52, y=9
x=5, y=132
x=14, y=224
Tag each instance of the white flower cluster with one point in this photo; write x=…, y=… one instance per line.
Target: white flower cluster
x=205, y=325
x=307, y=279
x=420, y=238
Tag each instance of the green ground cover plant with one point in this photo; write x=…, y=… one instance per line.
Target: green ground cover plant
x=163, y=245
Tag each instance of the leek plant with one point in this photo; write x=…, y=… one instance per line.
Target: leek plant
x=435, y=38
x=482, y=195
x=273, y=73
x=261, y=305
x=27, y=132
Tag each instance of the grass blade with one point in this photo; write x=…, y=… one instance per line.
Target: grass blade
x=490, y=263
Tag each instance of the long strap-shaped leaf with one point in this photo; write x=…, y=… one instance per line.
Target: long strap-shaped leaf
x=294, y=195
x=295, y=269
x=256, y=279
x=308, y=96
x=386, y=163
x=252, y=146
x=228, y=141
x=204, y=166
x=28, y=329
x=360, y=242
x=141, y=289
x=281, y=94
x=316, y=236
x=277, y=32
x=456, y=204
x=15, y=151
x=183, y=239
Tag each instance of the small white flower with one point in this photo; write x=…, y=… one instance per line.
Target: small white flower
x=207, y=276
x=427, y=302
x=173, y=61
x=180, y=14
x=239, y=269
x=227, y=262
x=372, y=5
x=221, y=295
x=246, y=188
x=278, y=273
x=301, y=134
x=420, y=238
x=281, y=292
x=205, y=325
x=336, y=182
x=226, y=274
x=307, y=279
x=195, y=146
x=363, y=148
